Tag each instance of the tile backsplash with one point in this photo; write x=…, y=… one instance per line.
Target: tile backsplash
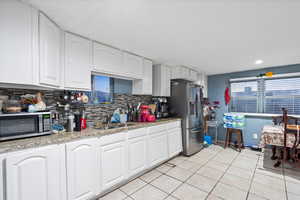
x=93, y=112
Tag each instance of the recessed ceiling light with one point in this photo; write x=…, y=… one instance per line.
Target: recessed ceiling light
x=258, y=62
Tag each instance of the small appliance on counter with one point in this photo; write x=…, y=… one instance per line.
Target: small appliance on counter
x=22, y=125
x=161, y=108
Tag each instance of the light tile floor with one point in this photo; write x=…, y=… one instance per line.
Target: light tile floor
x=215, y=173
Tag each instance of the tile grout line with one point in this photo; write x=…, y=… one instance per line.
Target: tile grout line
x=185, y=182
x=252, y=178
x=285, y=185
x=218, y=181
x=148, y=183
x=182, y=182
x=143, y=185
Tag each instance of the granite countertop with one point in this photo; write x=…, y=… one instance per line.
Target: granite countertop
x=59, y=138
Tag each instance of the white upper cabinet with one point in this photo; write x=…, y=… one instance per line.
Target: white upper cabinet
x=77, y=62
x=193, y=75
x=181, y=72
x=37, y=174
x=113, y=61
x=133, y=65
x=106, y=59
x=50, y=55
x=147, y=77
x=18, y=42
x=161, y=80
x=82, y=169
x=144, y=86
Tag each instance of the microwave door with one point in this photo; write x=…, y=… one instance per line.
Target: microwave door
x=14, y=127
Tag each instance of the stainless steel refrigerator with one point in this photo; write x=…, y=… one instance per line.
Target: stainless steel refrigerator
x=185, y=102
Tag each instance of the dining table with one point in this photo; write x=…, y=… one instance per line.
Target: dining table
x=274, y=135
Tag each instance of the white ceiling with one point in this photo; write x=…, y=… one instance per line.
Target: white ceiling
x=215, y=36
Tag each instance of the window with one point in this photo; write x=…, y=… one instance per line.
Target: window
x=104, y=87
x=281, y=93
x=244, y=96
x=266, y=96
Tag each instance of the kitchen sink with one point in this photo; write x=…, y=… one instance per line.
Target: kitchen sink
x=115, y=125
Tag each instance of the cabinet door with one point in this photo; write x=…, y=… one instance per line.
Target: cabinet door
x=193, y=75
x=176, y=72
x=162, y=80
x=107, y=59
x=167, y=81
x=82, y=169
x=50, y=41
x=137, y=154
x=77, y=62
x=2, y=157
x=17, y=39
x=186, y=73
x=37, y=174
x=157, y=148
x=174, y=141
x=113, y=164
x=147, y=77
x=133, y=65
x=144, y=86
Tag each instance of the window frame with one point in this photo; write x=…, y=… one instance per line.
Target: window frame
x=261, y=89
x=257, y=97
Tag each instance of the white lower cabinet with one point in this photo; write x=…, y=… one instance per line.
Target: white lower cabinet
x=113, y=160
x=82, y=169
x=174, y=141
x=157, y=148
x=174, y=138
x=37, y=174
x=137, y=151
x=2, y=157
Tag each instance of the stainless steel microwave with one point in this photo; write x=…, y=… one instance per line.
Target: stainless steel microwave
x=22, y=125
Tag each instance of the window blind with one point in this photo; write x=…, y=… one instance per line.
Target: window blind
x=244, y=96
x=282, y=93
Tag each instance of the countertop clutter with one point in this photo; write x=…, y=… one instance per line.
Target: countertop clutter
x=21, y=144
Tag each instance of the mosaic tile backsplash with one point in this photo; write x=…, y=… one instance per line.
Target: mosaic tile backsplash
x=93, y=112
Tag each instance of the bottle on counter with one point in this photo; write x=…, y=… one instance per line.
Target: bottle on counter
x=77, y=121
x=70, y=123
x=83, y=120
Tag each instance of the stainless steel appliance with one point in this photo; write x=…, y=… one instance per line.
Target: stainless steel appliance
x=185, y=102
x=22, y=125
x=162, y=107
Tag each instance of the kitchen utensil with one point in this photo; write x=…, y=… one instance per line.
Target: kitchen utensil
x=151, y=118
x=1, y=105
x=152, y=108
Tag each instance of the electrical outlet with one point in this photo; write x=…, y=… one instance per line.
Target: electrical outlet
x=254, y=136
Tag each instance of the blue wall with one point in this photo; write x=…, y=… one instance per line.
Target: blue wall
x=216, y=89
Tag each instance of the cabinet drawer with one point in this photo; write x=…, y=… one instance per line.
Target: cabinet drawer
x=116, y=137
x=176, y=124
x=137, y=133
x=157, y=129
